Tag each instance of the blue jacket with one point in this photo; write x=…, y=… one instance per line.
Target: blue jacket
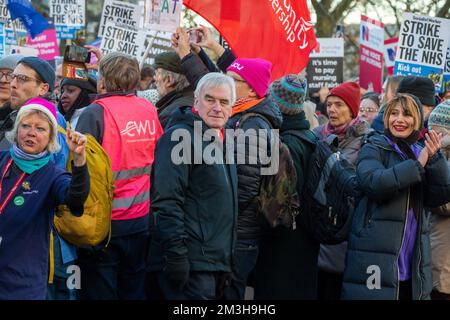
x=25, y=229
x=385, y=178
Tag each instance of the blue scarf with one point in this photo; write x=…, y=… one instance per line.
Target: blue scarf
x=26, y=162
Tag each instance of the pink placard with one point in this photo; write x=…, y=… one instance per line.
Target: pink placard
x=46, y=43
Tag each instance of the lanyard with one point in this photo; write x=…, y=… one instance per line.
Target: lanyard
x=14, y=188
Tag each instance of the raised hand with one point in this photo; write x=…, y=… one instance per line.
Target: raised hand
x=98, y=53
x=433, y=142
x=180, y=42
x=77, y=145
x=207, y=41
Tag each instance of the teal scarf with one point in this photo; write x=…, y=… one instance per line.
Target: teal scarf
x=26, y=162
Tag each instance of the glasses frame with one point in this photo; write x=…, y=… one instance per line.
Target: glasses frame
x=22, y=78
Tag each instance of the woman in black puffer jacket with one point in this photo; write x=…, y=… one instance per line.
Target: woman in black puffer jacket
x=389, y=247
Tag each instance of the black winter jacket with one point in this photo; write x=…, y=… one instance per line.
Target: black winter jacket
x=193, y=206
x=287, y=259
x=386, y=178
x=249, y=175
x=172, y=101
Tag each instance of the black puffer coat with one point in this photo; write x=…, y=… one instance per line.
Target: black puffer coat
x=386, y=180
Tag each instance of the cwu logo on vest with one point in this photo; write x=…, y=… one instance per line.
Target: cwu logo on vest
x=139, y=128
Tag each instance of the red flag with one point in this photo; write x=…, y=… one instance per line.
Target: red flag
x=276, y=30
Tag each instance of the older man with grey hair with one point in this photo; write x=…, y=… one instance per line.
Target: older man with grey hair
x=194, y=204
x=172, y=86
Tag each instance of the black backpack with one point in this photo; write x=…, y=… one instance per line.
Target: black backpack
x=327, y=202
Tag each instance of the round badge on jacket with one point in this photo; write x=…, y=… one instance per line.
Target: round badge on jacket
x=19, y=200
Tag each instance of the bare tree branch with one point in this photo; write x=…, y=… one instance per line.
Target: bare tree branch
x=339, y=10
x=320, y=9
x=444, y=11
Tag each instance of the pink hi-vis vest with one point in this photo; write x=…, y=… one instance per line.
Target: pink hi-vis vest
x=131, y=131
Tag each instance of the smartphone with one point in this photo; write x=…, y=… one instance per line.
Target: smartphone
x=194, y=36
x=74, y=61
x=77, y=54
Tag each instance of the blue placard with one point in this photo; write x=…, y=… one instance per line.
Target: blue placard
x=11, y=39
x=67, y=32
x=2, y=40
x=413, y=69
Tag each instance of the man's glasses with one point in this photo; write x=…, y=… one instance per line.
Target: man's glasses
x=21, y=78
x=369, y=109
x=6, y=75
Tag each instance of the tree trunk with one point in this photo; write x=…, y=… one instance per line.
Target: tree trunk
x=324, y=27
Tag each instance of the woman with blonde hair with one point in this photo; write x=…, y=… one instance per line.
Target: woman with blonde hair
x=31, y=187
x=389, y=246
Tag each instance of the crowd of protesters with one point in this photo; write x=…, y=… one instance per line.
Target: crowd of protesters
x=185, y=227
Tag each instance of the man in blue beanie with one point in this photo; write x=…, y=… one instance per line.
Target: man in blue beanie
x=32, y=77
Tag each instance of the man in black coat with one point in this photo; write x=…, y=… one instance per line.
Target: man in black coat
x=172, y=86
x=194, y=198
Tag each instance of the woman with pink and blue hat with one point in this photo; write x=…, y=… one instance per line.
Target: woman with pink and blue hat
x=31, y=187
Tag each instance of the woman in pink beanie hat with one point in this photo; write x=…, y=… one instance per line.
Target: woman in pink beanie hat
x=31, y=187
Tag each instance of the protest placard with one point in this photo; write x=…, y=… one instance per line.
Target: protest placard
x=122, y=39
x=325, y=66
x=14, y=30
x=69, y=17
x=2, y=40
x=122, y=13
x=446, y=77
x=163, y=15
x=26, y=51
x=371, y=44
x=422, y=47
x=46, y=43
x=390, y=50
x=4, y=13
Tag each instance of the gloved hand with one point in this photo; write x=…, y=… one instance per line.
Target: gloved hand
x=224, y=281
x=177, y=271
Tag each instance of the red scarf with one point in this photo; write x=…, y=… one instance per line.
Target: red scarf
x=339, y=131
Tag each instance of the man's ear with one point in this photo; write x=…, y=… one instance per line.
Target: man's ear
x=170, y=81
x=101, y=88
x=44, y=88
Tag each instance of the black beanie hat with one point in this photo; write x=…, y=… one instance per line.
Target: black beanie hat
x=421, y=87
x=90, y=85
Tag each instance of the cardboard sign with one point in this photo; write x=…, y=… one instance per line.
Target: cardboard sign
x=46, y=43
x=371, y=44
x=4, y=12
x=390, y=50
x=26, y=51
x=14, y=30
x=422, y=46
x=163, y=15
x=122, y=13
x=325, y=66
x=68, y=13
x=160, y=43
x=69, y=17
x=120, y=39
